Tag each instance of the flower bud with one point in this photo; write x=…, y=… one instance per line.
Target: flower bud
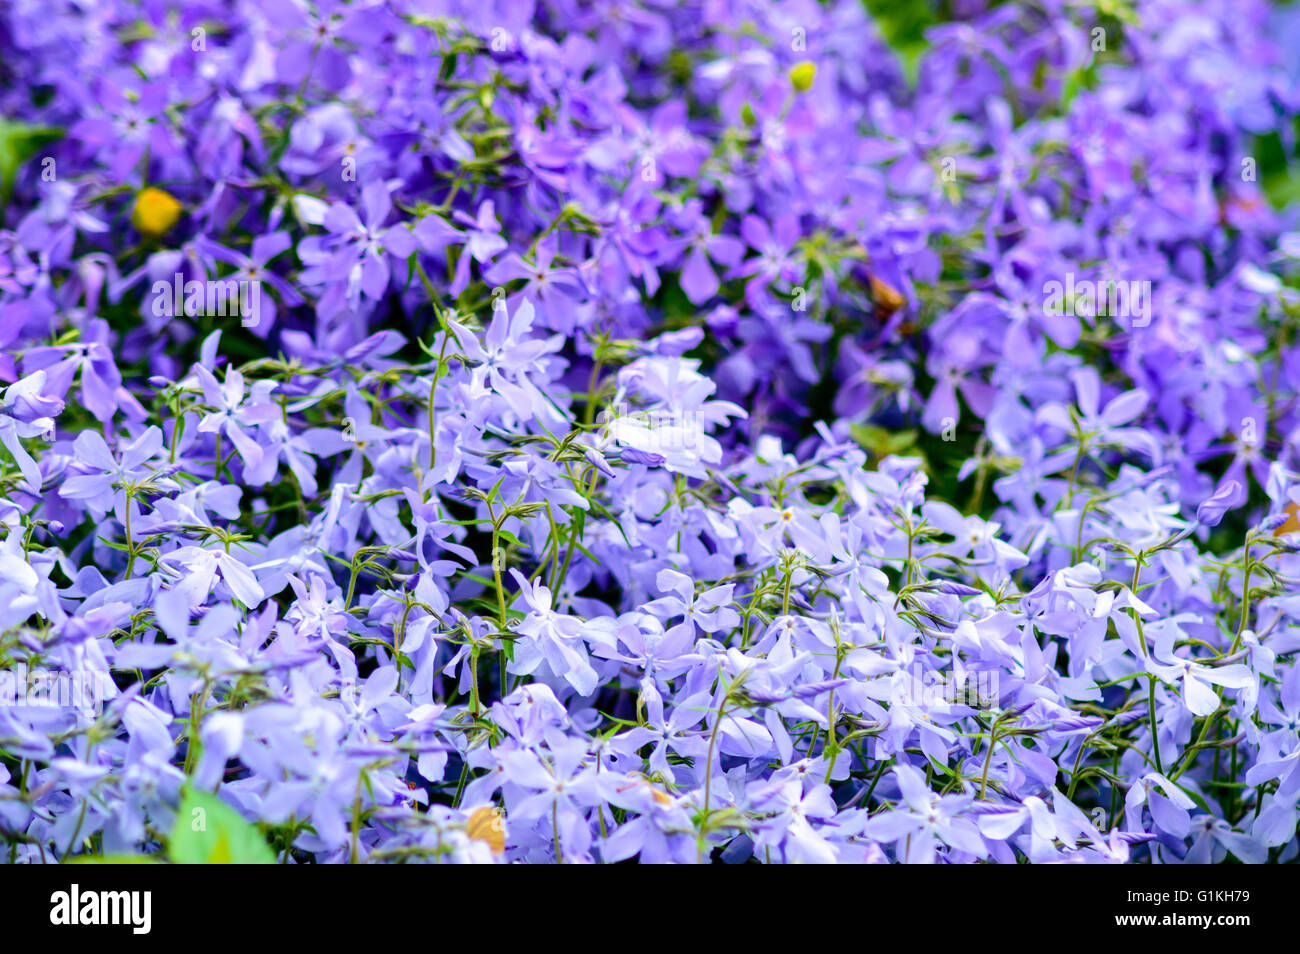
x=155, y=212
x=802, y=75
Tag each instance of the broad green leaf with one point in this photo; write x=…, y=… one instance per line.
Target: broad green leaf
x=210, y=832
x=18, y=143
x=881, y=442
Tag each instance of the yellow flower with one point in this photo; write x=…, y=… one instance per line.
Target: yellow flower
x=485, y=825
x=155, y=212
x=802, y=75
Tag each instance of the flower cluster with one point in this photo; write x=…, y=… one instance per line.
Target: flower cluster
x=554, y=431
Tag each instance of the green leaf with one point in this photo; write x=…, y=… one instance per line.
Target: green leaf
x=1084, y=78
x=903, y=23
x=1282, y=189
x=881, y=442
x=18, y=143
x=113, y=860
x=1121, y=10
x=210, y=832
x=1197, y=798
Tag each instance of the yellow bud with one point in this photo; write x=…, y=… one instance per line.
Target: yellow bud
x=485, y=825
x=887, y=299
x=802, y=75
x=155, y=212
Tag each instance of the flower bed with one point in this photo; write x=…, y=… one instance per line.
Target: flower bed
x=510, y=431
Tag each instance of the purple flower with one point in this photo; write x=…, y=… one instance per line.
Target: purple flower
x=1104, y=426
x=107, y=481
x=363, y=245
x=25, y=412
x=552, y=638
x=701, y=247
x=925, y=821
x=777, y=260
